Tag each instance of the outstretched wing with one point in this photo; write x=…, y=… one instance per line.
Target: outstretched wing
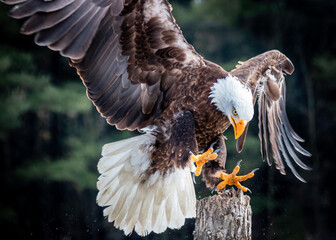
x=264, y=75
x=129, y=53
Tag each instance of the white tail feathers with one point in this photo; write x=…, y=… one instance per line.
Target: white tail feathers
x=134, y=200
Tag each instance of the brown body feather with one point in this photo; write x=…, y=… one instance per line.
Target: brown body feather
x=209, y=122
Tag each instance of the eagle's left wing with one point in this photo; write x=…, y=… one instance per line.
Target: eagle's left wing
x=264, y=75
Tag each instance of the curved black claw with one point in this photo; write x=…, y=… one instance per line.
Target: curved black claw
x=214, y=189
x=212, y=144
x=218, y=150
x=249, y=190
x=238, y=163
x=254, y=170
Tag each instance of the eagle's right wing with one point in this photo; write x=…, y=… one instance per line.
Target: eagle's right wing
x=129, y=53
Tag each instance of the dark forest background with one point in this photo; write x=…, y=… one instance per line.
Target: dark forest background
x=51, y=135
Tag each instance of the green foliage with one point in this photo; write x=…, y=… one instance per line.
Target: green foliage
x=77, y=167
x=212, y=27
x=262, y=202
x=219, y=11
x=23, y=90
x=69, y=98
x=325, y=68
x=250, y=154
x=286, y=227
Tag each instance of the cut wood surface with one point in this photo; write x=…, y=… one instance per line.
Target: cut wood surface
x=227, y=216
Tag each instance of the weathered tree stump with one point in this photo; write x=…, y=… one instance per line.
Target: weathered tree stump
x=227, y=216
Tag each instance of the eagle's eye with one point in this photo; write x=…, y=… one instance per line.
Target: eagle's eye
x=234, y=112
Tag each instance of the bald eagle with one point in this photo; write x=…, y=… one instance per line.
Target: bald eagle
x=141, y=74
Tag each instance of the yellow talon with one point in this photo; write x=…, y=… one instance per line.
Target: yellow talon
x=201, y=159
x=233, y=179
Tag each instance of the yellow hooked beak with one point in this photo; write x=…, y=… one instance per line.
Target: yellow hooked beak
x=238, y=127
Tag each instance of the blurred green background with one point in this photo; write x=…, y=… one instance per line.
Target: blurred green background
x=51, y=135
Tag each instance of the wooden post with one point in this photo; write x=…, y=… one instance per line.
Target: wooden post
x=227, y=216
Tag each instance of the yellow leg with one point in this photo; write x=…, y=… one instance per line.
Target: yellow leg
x=235, y=170
x=233, y=179
x=222, y=184
x=238, y=185
x=202, y=159
x=245, y=177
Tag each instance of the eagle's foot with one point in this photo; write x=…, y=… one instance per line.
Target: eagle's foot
x=233, y=179
x=202, y=159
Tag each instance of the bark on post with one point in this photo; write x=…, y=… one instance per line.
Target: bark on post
x=228, y=217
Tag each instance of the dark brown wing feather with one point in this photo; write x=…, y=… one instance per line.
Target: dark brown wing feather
x=130, y=54
x=264, y=75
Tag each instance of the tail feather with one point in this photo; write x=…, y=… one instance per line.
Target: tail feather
x=136, y=200
x=113, y=148
x=104, y=165
x=159, y=218
x=133, y=215
x=176, y=213
x=127, y=212
x=107, y=181
x=144, y=223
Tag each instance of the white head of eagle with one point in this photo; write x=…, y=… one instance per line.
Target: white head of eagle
x=235, y=100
